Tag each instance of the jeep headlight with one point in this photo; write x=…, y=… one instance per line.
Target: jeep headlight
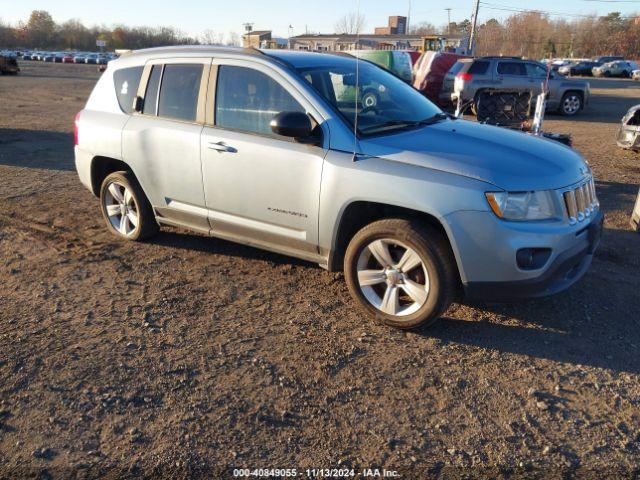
x=523, y=205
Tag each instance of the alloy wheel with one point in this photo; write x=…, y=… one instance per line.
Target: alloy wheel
x=571, y=104
x=121, y=209
x=392, y=277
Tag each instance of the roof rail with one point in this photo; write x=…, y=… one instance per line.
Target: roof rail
x=507, y=57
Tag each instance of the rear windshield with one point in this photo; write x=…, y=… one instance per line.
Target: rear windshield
x=456, y=67
x=126, y=81
x=478, y=67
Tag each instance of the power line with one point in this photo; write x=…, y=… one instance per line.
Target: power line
x=613, y=1
x=508, y=8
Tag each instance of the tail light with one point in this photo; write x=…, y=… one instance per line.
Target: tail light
x=76, y=128
x=467, y=77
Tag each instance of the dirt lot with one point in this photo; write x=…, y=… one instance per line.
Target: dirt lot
x=189, y=356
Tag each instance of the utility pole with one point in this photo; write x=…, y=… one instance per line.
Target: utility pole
x=448, y=20
x=472, y=37
x=407, y=31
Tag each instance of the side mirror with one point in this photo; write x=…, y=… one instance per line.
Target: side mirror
x=291, y=124
x=138, y=104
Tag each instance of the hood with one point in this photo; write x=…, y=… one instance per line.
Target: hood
x=508, y=159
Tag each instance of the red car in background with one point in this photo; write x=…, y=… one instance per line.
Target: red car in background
x=429, y=72
x=67, y=59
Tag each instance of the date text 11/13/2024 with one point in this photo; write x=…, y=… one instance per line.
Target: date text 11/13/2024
x=315, y=473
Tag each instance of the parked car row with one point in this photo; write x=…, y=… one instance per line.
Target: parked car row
x=604, y=66
x=69, y=57
x=578, y=66
x=619, y=68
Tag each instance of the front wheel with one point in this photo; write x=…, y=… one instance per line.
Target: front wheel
x=401, y=272
x=125, y=207
x=570, y=104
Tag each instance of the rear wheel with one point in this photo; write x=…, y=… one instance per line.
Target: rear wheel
x=125, y=207
x=401, y=272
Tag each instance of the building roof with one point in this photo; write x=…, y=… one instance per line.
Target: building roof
x=258, y=32
x=347, y=37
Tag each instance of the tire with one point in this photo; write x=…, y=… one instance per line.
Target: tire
x=433, y=281
x=607, y=73
x=120, y=192
x=570, y=104
x=626, y=74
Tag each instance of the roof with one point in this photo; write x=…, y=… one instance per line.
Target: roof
x=302, y=59
x=290, y=57
x=191, y=49
x=258, y=32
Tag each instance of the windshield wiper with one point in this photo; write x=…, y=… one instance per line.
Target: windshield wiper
x=438, y=117
x=389, y=124
x=401, y=124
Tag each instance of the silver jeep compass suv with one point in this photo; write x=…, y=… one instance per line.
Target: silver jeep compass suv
x=276, y=149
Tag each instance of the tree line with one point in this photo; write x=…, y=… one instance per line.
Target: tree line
x=534, y=35
x=527, y=34
x=40, y=31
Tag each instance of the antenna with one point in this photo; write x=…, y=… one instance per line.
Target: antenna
x=355, y=120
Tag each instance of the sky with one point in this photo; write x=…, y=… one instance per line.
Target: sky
x=193, y=17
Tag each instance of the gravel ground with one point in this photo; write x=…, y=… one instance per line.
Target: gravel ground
x=187, y=356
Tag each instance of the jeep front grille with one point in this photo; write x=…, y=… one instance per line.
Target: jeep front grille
x=581, y=201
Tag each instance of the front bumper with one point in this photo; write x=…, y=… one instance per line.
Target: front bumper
x=486, y=253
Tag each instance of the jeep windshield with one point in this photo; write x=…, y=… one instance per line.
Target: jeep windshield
x=369, y=98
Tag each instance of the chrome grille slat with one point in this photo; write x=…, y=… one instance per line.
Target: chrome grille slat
x=581, y=201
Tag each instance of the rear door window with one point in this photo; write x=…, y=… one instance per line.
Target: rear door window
x=478, y=68
x=126, y=81
x=179, y=91
x=511, y=68
x=151, y=95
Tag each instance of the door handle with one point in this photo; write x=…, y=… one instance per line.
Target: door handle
x=221, y=147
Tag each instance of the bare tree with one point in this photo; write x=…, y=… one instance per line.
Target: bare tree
x=209, y=37
x=423, y=28
x=350, y=24
x=234, y=39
